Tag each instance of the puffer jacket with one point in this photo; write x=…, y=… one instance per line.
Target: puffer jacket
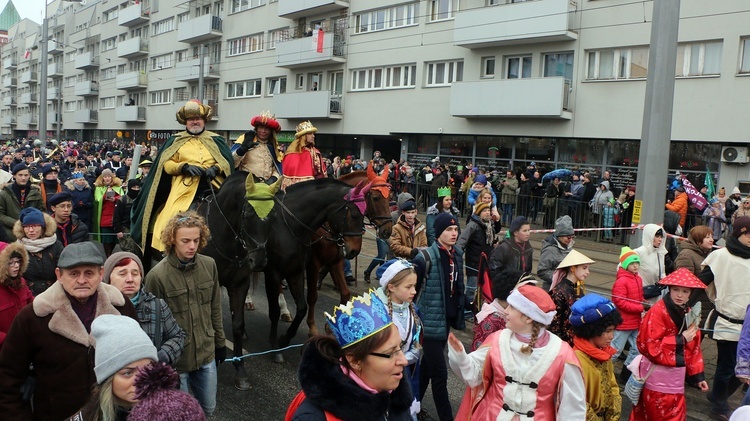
x=627, y=295
x=511, y=254
x=552, y=254
x=691, y=256
x=432, y=301
x=601, y=197
x=652, y=260
x=403, y=240
x=679, y=205
x=14, y=293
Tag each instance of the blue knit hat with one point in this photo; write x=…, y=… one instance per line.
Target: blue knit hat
x=32, y=216
x=481, y=178
x=590, y=308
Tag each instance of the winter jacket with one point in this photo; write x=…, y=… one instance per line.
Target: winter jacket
x=121, y=220
x=508, y=192
x=740, y=212
x=83, y=201
x=473, y=241
x=715, y=220
x=608, y=216
x=432, y=213
x=40, y=274
x=679, y=205
x=627, y=295
x=432, y=300
x=652, y=260
x=172, y=339
x=404, y=240
x=75, y=231
x=552, y=254
x=14, y=293
x=691, y=256
x=511, y=254
x=327, y=389
x=474, y=194
x=601, y=197
x=10, y=208
x=192, y=292
x=49, y=333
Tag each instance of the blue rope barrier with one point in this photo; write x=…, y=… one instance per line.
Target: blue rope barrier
x=257, y=354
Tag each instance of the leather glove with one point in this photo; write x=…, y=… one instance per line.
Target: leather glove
x=414, y=253
x=220, y=354
x=247, y=142
x=212, y=172
x=192, y=170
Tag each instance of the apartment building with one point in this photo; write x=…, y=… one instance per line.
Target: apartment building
x=499, y=83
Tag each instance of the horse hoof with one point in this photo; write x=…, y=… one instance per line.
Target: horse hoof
x=242, y=384
x=250, y=306
x=286, y=318
x=278, y=358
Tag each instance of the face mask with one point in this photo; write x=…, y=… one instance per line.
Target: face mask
x=133, y=194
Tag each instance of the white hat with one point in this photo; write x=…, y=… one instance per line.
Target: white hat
x=391, y=268
x=736, y=190
x=574, y=258
x=534, y=303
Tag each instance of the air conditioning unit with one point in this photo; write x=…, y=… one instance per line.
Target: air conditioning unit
x=734, y=155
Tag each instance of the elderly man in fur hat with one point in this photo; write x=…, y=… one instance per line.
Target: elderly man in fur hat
x=257, y=151
x=303, y=161
x=185, y=166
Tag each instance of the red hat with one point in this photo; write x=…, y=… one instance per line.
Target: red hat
x=683, y=277
x=266, y=119
x=534, y=303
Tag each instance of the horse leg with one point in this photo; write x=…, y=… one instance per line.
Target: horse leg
x=296, y=284
x=286, y=315
x=312, y=270
x=337, y=273
x=236, y=294
x=273, y=284
x=249, y=305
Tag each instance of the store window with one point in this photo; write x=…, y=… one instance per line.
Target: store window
x=457, y=146
x=622, y=153
x=582, y=153
x=694, y=156
x=424, y=144
x=538, y=150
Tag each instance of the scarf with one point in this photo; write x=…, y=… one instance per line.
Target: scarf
x=489, y=232
x=736, y=248
x=35, y=246
x=599, y=354
x=489, y=309
x=79, y=187
x=541, y=340
x=63, y=229
x=135, y=298
x=21, y=192
x=86, y=312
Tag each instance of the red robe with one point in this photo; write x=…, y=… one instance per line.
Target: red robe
x=300, y=166
x=662, y=343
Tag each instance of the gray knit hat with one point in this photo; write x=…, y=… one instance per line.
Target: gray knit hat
x=116, y=258
x=564, y=226
x=119, y=342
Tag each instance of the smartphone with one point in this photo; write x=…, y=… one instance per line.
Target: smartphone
x=110, y=194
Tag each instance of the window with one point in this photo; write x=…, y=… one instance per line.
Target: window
x=278, y=35
x=488, y=67
x=390, y=18
x=621, y=63
x=109, y=73
x=110, y=15
x=518, y=67
x=163, y=26
x=71, y=56
x=70, y=81
x=182, y=55
x=745, y=55
x=441, y=9
x=276, y=85
x=161, y=97
x=558, y=64
x=444, y=73
x=300, y=78
x=249, y=44
x=244, y=89
x=70, y=106
x=699, y=59
x=109, y=44
x=183, y=17
x=107, y=103
x=161, y=62
x=181, y=94
x=240, y=5
x=393, y=77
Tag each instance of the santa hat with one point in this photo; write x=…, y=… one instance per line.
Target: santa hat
x=534, y=303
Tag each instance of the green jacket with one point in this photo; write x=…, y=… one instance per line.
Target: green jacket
x=10, y=208
x=431, y=299
x=192, y=292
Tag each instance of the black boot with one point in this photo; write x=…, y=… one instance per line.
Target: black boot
x=367, y=277
x=624, y=375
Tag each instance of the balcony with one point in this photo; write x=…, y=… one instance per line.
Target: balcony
x=516, y=23
x=54, y=47
x=189, y=70
x=134, y=47
x=130, y=114
x=53, y=94
x=131, y=81
x=512, y=98
x=27, y=98
x=29, y=77
x=199, y=29
x=10, y=82
x=313, y=104
x=9, y=101
x=52, y=118
x=86, y=116
x=87, y=88
x=27, y=119
x=87, y=61
x=9, y=120
x=55, y=71
x=133, y=15
x=299, y=52
x=10, y=63
x=295, y=9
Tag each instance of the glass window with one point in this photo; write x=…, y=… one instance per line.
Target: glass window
x=694, y=156
x=745, y=56
x=622, y=152
x=519, y=67
x=444, y=73
x=442, y=9
x=494, y=147
x=699, y=59
x=457, y=146
x=488, y=67
x=539, y=150
x=581, y=151
x=559, y=64
x=424, y=144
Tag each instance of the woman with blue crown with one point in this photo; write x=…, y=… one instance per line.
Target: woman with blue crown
x=356, y=374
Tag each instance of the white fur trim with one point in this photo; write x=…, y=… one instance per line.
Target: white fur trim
x=392, y=270
x=529, y=308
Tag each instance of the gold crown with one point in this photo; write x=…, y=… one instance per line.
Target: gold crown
x=304, y=128
x=267, y=114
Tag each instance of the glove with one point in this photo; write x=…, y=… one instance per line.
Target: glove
x=212, y=172
x=247, y=142
x=192, y=170
x=220, y=354
x=414, y=253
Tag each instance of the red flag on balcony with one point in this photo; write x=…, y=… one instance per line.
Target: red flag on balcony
x=27, y=54
x=317, y=40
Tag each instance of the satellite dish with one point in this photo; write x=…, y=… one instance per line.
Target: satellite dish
x=83, y=2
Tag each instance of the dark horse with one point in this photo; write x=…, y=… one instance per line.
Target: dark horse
x=327, y=255
x=239, y=217
x=304, y=208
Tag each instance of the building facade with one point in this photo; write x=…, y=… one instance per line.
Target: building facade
x=500, y=83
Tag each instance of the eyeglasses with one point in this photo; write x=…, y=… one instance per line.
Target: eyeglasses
x=14, y=262
x=387, y=356
x=64, y=206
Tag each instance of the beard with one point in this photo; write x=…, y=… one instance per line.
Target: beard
x=195, y=131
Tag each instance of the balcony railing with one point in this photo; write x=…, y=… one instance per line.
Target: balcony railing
x=87, y=88
x=28, y=119
x=53, y=94
x=134, y=47
x=54, y=47
x=55, y=70
x=86, y=116
x=299, y=52
x=295, y=9
x=87, y=61
x=542, y=98
x=133, y=15
x=131, y=81
x=10, y=63
x=199, y=29
x=29, y=77
x=312, y=104
x=189, y=70
x=9, y=120
x=27, y=98
x=131, y=113
x=9, y=101
x=10, y=82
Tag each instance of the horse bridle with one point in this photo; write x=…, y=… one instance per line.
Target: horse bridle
x=375, y=220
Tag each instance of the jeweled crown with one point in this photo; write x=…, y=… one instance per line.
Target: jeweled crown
x=360, y=318
x=305, y=125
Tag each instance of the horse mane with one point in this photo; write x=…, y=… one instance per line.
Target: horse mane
x=316, y=184
x=354, y=175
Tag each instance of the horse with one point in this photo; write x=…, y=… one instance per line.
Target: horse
x=240, y=231
x=327, y=255
x=304, y=208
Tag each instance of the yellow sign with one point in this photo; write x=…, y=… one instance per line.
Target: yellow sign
x=637, y=211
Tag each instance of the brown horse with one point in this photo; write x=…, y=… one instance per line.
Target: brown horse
x=326, y=254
